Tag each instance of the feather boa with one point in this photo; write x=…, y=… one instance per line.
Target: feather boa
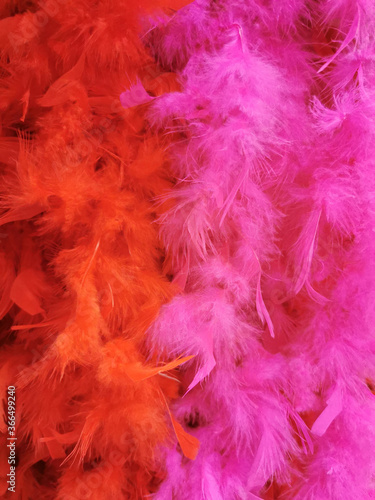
x=187, y=248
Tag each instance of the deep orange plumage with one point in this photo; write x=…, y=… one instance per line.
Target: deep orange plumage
x=81, y=261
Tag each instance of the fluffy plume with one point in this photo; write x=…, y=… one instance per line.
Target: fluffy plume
x=187, y=248
x=269, y=238
x=80, y=257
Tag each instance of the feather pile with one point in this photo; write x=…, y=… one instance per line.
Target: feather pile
x=81, y=259
x=187, y=248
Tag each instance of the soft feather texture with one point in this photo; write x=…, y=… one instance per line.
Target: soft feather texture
x=80, y=256
x=187, y=248
x=271, y=241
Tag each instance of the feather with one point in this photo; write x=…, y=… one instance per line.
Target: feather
x=26, y=291
x=204, y=370
x=304, y=248
x=137, y=372
x=333, y=409
x=303, y=432
x=21, y=213
x=262, y=310
x=189, y=444
x=350, y=36
x=135, y=96
x=66, y=85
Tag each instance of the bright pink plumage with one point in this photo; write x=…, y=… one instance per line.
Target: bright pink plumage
x=271, y=237
x=187, y=256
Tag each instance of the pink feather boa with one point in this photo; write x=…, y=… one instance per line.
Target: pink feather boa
x=271, y=239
